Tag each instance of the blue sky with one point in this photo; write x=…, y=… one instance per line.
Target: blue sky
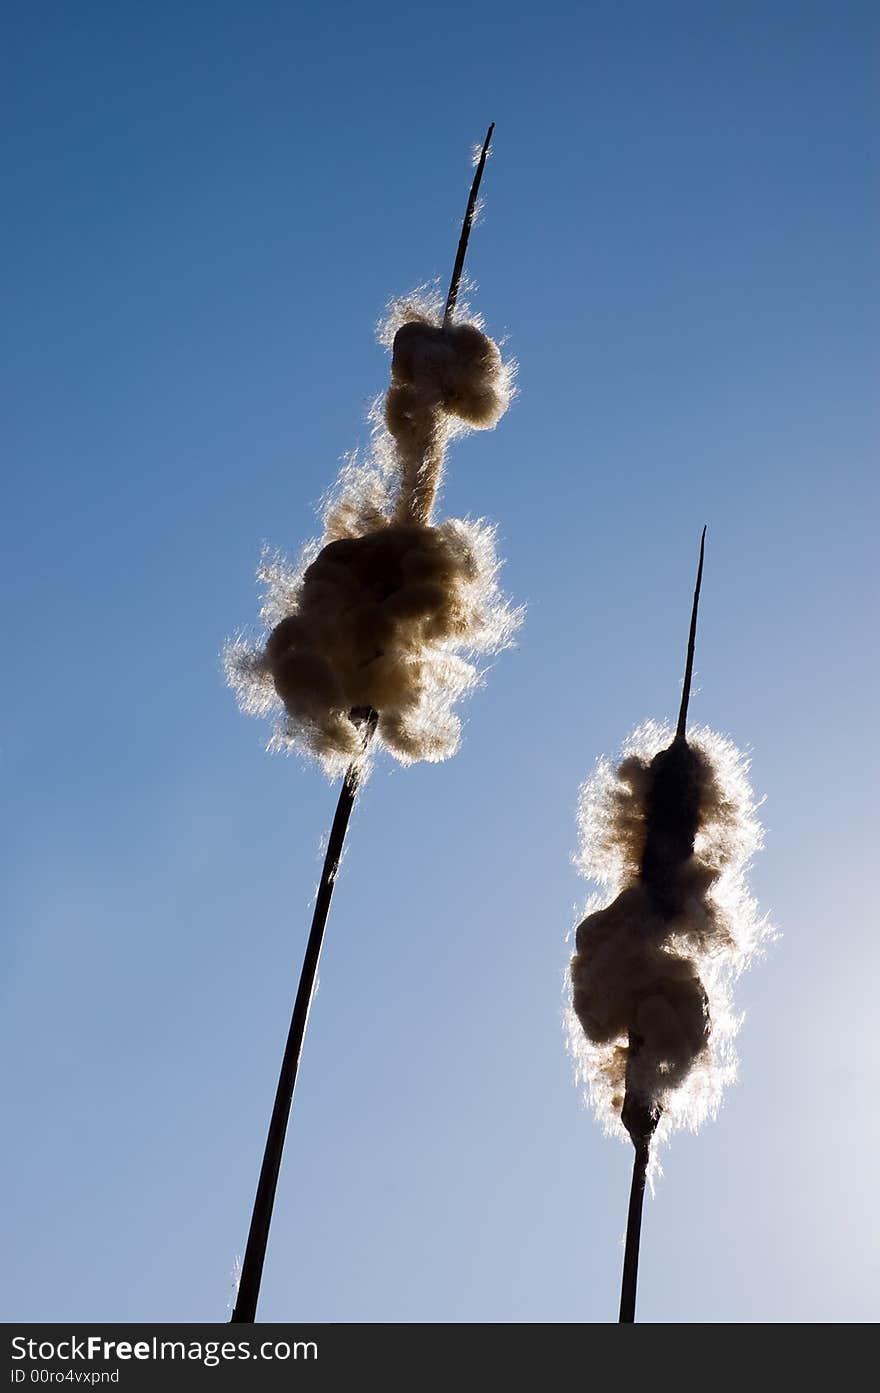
x=210, y=206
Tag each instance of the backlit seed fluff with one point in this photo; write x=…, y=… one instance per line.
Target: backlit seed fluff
x=669, y=834
x=388, y=611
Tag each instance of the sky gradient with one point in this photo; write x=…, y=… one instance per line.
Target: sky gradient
x=210, y=206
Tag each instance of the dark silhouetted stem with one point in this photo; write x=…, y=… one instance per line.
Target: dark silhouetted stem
x=466, y=226
x=692, y=639
x=633, y=1234
x=252, y=1269
x=640, y=1117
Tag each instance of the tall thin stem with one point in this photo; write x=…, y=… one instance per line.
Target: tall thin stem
x=633, y=1233
x=466, y=226
x=252, y=1269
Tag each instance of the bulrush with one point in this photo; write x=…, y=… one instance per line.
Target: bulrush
x=669, y=833
x=372, y=638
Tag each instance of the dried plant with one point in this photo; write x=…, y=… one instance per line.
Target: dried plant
x=669, y=834
x=373, y=637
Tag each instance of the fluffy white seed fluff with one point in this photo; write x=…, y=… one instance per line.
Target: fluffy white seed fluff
x=388, y=610
x=656, y=956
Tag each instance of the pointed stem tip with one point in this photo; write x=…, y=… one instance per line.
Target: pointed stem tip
x=689, y=666
x=458, y=268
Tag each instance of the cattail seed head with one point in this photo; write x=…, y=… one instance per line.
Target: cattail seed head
x=669, y=833
x=389, y=611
